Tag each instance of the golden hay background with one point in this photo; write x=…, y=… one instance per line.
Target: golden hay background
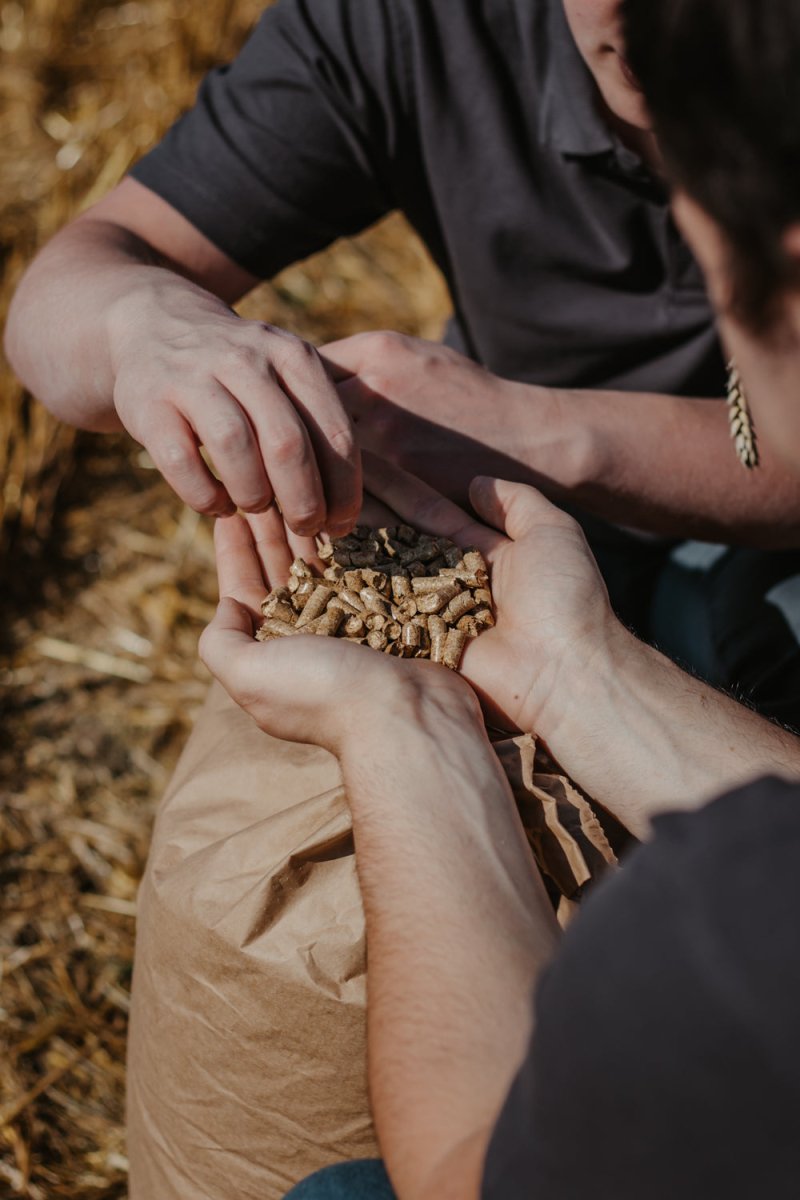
x=107, y=579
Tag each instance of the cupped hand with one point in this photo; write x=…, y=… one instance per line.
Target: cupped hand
x=326, y=691
x=552, y=608
x=190, y=373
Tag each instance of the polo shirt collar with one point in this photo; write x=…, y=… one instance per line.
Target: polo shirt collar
x=569, y=116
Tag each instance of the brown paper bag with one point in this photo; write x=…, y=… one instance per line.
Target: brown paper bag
x=246, y=1067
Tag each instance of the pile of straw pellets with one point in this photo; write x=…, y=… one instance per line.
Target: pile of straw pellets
x=394, y=589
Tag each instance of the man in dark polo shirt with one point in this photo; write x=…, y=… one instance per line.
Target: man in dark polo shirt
x=538, y=196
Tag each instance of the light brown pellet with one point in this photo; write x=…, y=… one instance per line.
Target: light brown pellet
x=453, y=648
x=315, y=605
x=401, y=587
x=438, y=635
x=433, y=602
x=280, y=595
x=373, y=600
x=300, y=569
x=329, y=622
x=411, y=639
x=408, y=594
x=458, y=606
x=272, y=627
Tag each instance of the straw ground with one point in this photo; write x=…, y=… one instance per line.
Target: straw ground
x=107, y=579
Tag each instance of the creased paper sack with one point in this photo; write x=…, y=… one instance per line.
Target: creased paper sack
x=246, y=1067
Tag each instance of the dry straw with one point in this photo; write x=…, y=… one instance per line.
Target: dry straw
x=100, y=677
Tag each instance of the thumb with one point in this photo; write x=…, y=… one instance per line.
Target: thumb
x=342, y=358
x=228, y=635
x=515, y=508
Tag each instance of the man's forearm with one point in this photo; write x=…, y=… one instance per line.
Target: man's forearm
x=643, y=737
x=59, y=336
x=666, y=464
x=458, y=925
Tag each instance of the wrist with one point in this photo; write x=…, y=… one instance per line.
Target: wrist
x=150, y=301
x=569, y=685
x=409, y=721
x=559, y=440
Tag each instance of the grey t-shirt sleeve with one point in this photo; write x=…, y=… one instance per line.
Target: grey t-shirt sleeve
x=291, y=145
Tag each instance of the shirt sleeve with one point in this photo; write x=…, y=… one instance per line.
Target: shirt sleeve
x=291, y=145
x=666, y=1059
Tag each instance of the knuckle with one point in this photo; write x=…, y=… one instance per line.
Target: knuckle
x=342, y=442
x=289, y=449
x=202, y=501
x=386, y=342
x=255, y=502
x=305, y=519
x=177, y=458
x=230, y=435
x=244, y=356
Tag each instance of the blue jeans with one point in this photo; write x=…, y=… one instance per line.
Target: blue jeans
x=364, y=1180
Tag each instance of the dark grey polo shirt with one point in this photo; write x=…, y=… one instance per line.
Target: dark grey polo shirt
x=478, y=119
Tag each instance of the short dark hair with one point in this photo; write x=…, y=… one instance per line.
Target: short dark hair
x=721, y=79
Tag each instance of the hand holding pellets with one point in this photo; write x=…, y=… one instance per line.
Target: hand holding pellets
x=399, y=591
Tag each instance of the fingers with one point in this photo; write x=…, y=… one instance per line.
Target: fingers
x=316, y=399
x=375, y=514
x=270, y=539
x=175, y=452
x=305, y=437
x=285, y=449
x=515, y=508
x=423, y=507
x=223, y=428
x=239, y=570
x=227, y=642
